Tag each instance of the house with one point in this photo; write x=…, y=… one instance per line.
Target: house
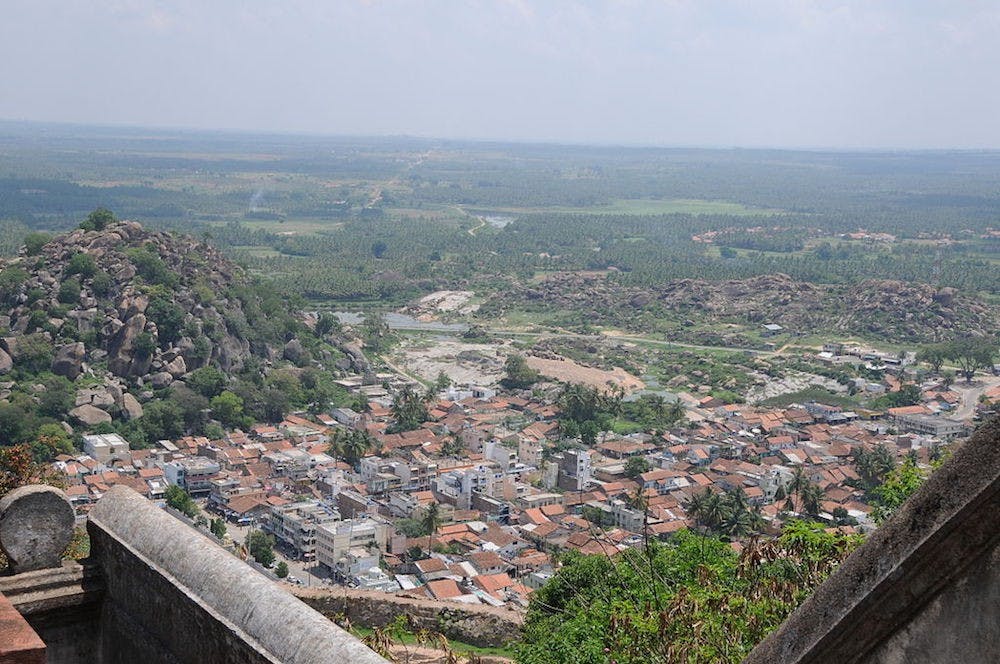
x=105, y=447
x=431, y=569
x=771, y=329
x=488, y=562
x=346, y=416
x=444, y=589
x=493, y=584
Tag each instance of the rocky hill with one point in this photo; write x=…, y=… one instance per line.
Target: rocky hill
x=889, y=310
x=132, y=309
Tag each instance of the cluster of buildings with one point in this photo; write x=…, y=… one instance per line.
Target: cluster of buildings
x=507, y=491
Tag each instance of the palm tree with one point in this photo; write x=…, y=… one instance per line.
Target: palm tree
x=873, y=466
x=350, y=446
x=737, y=499
x=354, y=446
x=738, y=523
x=716, y=511
x=797, y=483
x=675, y=412
x=431, y=522
x=695, y=507
x=811, y=496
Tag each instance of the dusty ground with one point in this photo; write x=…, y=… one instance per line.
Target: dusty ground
x=463, y=363
x=792, y=382
x=571, y=372
x=440, y=302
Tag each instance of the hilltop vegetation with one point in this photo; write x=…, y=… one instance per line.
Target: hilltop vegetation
x=691, y=600
x=157, y=335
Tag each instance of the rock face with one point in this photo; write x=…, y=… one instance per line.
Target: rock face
x=892, y=309
x=89, y=415
x=131, y=406
x=176, y=367
x=293, y=350
x=68, y=360
x=149, y=303
x=121, y=346
x=161, y=379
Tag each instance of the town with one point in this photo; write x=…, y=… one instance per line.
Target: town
x=475, y=502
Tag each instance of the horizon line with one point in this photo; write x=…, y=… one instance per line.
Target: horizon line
x=550, y=142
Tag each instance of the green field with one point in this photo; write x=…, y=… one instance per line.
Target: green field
x=644, y=206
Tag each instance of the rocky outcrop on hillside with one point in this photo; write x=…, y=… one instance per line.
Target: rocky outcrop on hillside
x=900, y=310
x=892, y=310
x=144, y=307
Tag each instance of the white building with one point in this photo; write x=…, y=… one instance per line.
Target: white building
x=193, y=474
x=376, y=579
x=335, y=540
x=106, y=447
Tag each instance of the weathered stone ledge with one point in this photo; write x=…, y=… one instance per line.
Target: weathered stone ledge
x=70, y=586
x=478, y=625
x=167, y=583
x=19, y=644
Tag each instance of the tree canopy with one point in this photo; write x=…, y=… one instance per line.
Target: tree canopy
x=691, y=600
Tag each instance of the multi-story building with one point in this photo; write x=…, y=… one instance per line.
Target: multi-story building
x=335, y=540
x=294, y=464
x=504, y=457
x=930, y=425
x=105, y=447
x=294, y=525
x=574, y=469
x=529, y=452
x=193, y=474
x=457, y=486
x=346, y=416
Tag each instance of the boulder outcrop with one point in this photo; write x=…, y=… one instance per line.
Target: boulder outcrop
x=150, y=303
x=89, y=415
x=68, y=360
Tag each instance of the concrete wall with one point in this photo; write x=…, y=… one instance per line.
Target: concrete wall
x=924, y=588
x=173, y=597
x=63, y=606
x=960, y=624
x=478, y=625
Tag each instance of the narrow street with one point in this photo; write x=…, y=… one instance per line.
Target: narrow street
x=971, y=393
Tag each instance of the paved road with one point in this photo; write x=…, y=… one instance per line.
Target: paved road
x=310, y=574
x=971, y=393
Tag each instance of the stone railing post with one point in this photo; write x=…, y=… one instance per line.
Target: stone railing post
x=36, y=526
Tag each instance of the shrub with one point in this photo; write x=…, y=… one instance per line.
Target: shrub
x=69, y=291
x=98, y=219
x=33, y=243
x=82, y=264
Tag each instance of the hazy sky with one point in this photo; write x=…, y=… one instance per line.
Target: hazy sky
x=837, y=73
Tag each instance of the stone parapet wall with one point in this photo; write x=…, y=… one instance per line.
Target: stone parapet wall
x=477, y=625
x=173, y=597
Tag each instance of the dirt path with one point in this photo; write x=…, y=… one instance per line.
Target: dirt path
x=482, y=222
x=380, y=187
